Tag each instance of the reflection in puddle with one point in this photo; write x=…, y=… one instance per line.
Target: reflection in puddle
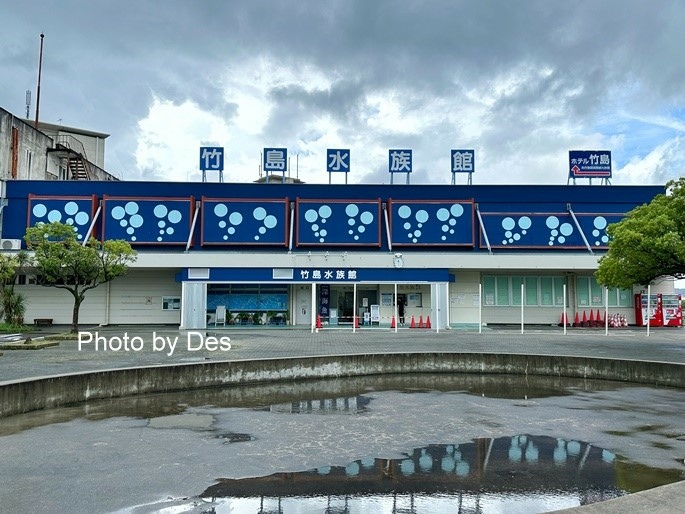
x=350, y=405
x=521, y=469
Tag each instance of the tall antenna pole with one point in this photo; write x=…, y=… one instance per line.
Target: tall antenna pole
x=40, y=69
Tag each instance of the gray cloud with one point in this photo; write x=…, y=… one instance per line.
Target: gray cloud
x=579, y=63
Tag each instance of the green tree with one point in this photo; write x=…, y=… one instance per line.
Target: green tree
x=62, y=261
x=648, y=243
x=12, y=304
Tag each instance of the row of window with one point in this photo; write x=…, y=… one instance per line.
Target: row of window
x=503, y=291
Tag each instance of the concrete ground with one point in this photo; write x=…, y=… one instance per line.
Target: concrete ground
x=132, y=346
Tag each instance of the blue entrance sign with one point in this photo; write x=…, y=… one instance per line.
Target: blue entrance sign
x=589, y=164
x=275, y=160
x=211, y=158
x=338, y=160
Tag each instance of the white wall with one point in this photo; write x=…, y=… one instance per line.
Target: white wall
x=137, y=298
x=463, y=297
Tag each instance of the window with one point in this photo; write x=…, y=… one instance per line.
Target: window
x=538, y=291
x=171, y=303
x=591, y=294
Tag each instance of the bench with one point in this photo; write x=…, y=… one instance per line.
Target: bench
x=46, y=322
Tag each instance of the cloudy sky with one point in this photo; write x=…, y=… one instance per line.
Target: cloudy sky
x=521, y=83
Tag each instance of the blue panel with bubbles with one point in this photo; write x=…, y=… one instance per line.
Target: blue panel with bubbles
x=338, y=222
x=546, y=230
x=74, y=211
x=417, y=223
x=147, y=220
x=236, y=221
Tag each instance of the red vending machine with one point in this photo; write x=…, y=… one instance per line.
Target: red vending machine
x=672, y=310
x=655, y=310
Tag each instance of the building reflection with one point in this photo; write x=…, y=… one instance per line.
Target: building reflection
x=467, y=473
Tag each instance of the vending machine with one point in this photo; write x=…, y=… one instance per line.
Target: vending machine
x=655, y=315
x=672, y=310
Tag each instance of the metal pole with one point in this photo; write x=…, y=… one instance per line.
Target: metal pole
x=522, y=292
x=354, y=307
x=313, y=305
x=564, y=316
x=396, y=314
x=40, y=69
x=480, y=308
x=606, y=311
x=649, y=306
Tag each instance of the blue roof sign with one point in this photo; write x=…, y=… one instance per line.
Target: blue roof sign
x=211, y=158
x=589, y=164
x=400, y=161
x=463, y=161
x=338, y=160
x=275, y=160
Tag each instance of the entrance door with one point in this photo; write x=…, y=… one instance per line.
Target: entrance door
x=303, y=305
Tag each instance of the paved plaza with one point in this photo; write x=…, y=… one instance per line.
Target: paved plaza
x=662, y=345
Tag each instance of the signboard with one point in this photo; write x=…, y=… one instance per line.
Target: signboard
x=237, y=221
x=463, y=161
x=589, y=164
x=338, y=222
x=147, y=220
x=338, y=160
x=275, y=160
x=547, y=230
x=438, y=222
x=400, y=161
x=324, y=300
x=211, y=158
x=76, y=211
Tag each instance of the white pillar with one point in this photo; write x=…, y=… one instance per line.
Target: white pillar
x=354, y=307
x=396, y=314
x=565, y=310
x=313, y=305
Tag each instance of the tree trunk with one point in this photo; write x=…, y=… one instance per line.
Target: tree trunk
x=74, y=314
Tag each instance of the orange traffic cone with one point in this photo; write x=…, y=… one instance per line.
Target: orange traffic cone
x=421, y=321
x=564, y=320
x=592, y=319
x=392, y=322
x=576, y=322
x=413, y=323
x=318, y=321
x=584, y=324
x=428, y=322
x=598, y=319
x=356, y=322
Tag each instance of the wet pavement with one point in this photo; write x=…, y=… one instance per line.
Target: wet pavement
x=664, y=345
x=143, y=446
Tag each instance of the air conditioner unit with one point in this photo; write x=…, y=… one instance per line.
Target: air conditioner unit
x=10, y=244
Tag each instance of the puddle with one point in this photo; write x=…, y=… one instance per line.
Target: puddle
x=414, y=443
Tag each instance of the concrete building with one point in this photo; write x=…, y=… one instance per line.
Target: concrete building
x=287, y=253
x=50, y=152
